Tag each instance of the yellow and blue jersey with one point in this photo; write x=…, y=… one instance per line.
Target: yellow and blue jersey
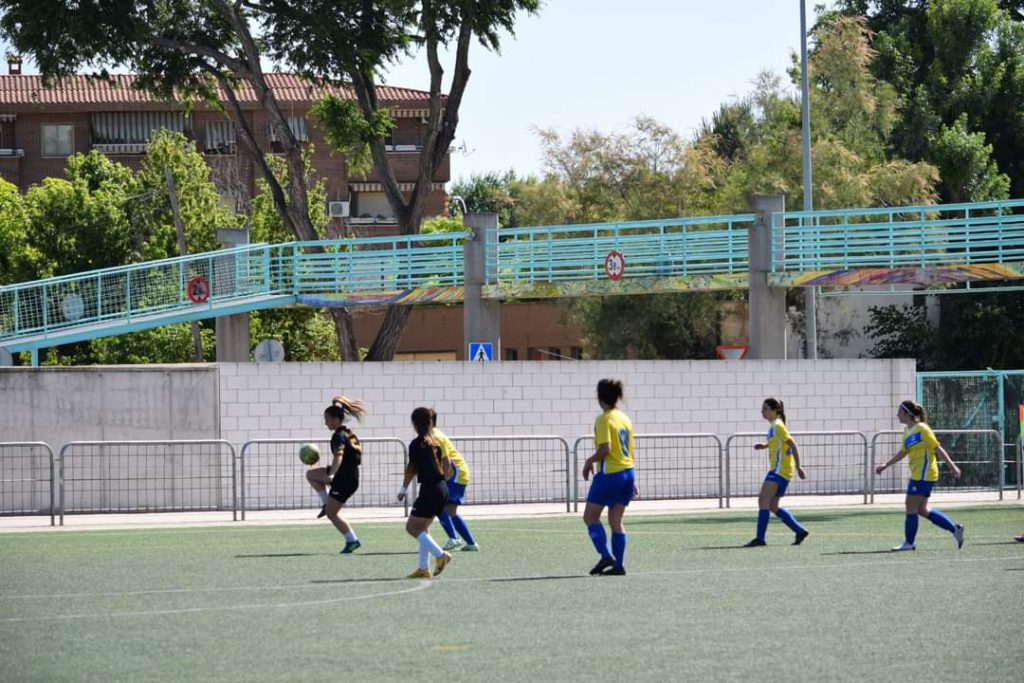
x=460, y=471
x=920, y=443
x=612, y=427
x=780, y=455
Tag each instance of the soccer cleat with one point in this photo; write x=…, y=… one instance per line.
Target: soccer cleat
x=958, y=534
x=1019, y=539
x=452, y=544
x=903, y=547
x=441, y=562
x=472, y=548
x=323, y=511
x=615, y=571
x=350, y=547
x=420, y=574
x=754, y=543
x=602, y=564
x=801, y=536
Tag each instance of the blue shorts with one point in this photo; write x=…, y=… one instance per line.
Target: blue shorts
x=612, y=489
x=920, y=488
x=780, y=480
x=456, y=493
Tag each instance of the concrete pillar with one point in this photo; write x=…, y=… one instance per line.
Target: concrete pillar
x=481, y=317
x=766, y=305
x=232, y=330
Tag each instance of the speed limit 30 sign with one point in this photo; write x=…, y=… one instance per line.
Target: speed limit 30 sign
x=614, y=265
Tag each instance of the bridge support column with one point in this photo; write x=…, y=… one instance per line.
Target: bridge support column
x=481, y=317
x=232, y=330
x=766, y=306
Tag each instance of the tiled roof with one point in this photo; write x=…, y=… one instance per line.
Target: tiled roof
x=87, y=90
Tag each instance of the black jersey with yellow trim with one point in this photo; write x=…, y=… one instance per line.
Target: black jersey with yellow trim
x=345, y=443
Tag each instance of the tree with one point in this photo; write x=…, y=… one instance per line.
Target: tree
x=355, y=48
x=212, y=48
x=18, y=260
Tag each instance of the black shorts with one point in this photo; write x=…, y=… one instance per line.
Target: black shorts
x=343, y=488
x=431, y=501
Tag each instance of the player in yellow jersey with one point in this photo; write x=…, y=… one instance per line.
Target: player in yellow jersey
x=615, y=481
x=783, y=461
x=921, y=446
x=452, y=522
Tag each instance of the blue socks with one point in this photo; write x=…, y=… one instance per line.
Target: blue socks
x=460, y=526
x=446, y=523
x=619, y=548
x=599, y=538
x=762, y=523
x=910, y=528
x=789, y=520
x=939, y=519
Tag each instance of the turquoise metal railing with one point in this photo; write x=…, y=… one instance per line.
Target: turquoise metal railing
x=900, y=237
x=657, y=248
x=127, y=294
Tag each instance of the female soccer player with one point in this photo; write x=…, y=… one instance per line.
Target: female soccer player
x=336, y=483
x=453, y=523
x=430, y=466
x=615, y=481
x=783, y=459
x=920, y=444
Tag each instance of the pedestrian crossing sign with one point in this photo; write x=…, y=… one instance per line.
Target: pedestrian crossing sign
x=481, y=351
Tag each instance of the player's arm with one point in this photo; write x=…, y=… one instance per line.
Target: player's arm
x=795, y=450
x=953, y=469
x=335, y=465
x=410, y=472
x=599, y=455
x=892, y=461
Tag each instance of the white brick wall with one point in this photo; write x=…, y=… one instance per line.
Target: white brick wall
x=287, y=400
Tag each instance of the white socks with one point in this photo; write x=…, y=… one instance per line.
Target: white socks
x=323, y=497
x=351, y=537
x=428, y=546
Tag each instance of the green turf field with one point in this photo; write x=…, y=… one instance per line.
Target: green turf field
x=257, y=603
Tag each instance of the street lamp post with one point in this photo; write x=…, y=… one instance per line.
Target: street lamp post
x=810, y=300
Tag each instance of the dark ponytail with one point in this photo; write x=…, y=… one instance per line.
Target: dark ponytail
x=916, y=411
x=342, y=405
x=778, y=406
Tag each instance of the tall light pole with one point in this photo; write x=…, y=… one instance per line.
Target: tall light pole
x=810, y=300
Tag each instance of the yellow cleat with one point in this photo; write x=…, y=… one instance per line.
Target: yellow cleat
x=442, y=562
x=420, y=574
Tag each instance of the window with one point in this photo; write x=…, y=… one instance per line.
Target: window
x=127, y=132
x=511, y=354
x=370, y=208
x=58, y=140
x=220, y=138
x=297, y=125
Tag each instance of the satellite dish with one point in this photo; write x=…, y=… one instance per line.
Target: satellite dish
x=269, y=351
x=72, y=307
x=5, y=357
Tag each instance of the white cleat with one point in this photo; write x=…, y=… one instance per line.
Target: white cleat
x=903, y=547
x=452, y=544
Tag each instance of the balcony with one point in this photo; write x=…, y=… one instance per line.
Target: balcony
x=15, y=152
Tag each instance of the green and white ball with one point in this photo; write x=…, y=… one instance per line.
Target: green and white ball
x=309, y=454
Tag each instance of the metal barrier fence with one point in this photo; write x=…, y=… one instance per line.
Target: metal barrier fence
x=517, y=469
x=24, y=467
x=836, y=463
x=979, y=472
x=669, y=466
x=272, y=477
x=1020, y=463
x=147, y=476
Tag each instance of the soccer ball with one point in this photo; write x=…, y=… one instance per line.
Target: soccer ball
x=309, y=454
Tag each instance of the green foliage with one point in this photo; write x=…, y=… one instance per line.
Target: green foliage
x=966, y=165
x=167, y=344
x=199, y=199
x=440, y=224
x=976, y=331
x=18, y=260
x=659, y=326
x=267, y=225
x=489, y=193
x=307, y=334
x=348, y=131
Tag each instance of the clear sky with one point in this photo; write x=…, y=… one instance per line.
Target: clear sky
x=598, y=64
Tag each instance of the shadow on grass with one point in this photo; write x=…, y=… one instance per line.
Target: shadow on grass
x=540, y=578
x=269, y=555
x=861, y=552
x=381, y=579
x=998, y=543
x=728, y=547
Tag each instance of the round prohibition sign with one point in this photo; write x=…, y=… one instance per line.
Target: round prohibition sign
x=615, y=265
x=198, y=290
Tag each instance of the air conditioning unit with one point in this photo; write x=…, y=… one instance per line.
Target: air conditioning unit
x=337, y=209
